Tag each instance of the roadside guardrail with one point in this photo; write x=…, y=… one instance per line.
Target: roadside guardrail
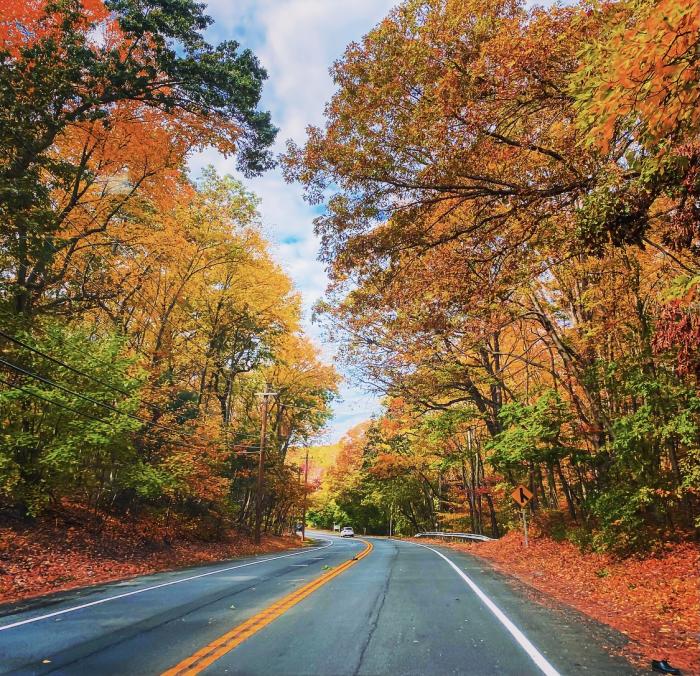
x=460, y=536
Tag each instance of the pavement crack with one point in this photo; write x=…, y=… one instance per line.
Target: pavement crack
x=376, y=611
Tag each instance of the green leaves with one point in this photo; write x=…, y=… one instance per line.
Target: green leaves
x=53, y=440
x=531, y=434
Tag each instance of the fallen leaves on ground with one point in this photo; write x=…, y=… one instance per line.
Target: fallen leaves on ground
x=654, y=600
x=61, y=553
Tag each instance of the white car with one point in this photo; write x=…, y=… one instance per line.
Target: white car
x=347, y=532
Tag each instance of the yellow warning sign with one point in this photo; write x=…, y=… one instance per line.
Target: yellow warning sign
x=521, y=495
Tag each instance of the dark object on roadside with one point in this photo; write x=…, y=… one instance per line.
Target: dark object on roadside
x=664, y=667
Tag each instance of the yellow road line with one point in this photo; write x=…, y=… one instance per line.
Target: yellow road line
x=218, y=648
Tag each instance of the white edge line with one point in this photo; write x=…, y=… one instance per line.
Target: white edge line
x=157, y=586
x=522, y=640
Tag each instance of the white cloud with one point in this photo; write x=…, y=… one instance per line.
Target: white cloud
x=296, y=41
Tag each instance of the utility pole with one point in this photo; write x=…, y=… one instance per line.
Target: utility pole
x=306, y=491
x=261, y=465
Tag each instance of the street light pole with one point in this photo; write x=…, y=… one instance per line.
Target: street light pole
x=261, y=466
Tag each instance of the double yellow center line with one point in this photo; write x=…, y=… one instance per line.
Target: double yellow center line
x=206, y=656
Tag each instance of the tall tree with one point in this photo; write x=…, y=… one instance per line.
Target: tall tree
x=76, y=73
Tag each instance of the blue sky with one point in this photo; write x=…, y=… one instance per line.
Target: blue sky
x=296, y=41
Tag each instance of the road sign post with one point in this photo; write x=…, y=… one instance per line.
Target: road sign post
x=522, y=497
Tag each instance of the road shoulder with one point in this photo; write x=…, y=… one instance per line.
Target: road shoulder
x=80, y=593
x=583, y=642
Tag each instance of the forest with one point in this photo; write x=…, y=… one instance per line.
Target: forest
x=141, y=311
x=509, y=202
x=511, y=220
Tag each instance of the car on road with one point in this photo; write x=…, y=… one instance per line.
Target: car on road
x=347, y=532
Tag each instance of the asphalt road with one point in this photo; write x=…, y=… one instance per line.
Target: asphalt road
x=402, y=609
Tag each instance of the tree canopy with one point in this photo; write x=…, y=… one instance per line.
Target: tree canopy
x=511, y=227
x=141, y=311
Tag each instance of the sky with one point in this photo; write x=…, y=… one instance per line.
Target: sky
x=296, y=41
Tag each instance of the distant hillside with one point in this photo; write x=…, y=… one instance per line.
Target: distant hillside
x=321, y=459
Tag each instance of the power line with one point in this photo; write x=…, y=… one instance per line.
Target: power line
x=51, y=401
x=102, y=420
x=109, y=407
x=90, y=399
x=114, y=388
x=99, y=361
x=17, y=341
x=79, y=372
x=95, y=379
x=67, y=390
x=301, y=408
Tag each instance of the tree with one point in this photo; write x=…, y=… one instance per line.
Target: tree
x=77, y=73
x=490, y=258
x=638, y=86
x=74, y=441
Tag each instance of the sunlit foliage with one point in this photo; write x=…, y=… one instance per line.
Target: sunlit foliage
x=512, y=227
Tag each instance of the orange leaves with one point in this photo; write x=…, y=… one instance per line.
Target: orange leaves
x=390, y=465
x=349, y=457
x=22, y=23
x=48, y=556
x=647, y=74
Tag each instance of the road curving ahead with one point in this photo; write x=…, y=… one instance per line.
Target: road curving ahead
x=340, y=608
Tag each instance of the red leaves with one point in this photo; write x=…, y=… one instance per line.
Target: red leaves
x=49, y=557
x=678, y=329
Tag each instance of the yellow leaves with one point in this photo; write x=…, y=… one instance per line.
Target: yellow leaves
x=298, y=367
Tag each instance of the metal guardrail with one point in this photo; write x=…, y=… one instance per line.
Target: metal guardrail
x=461, y=536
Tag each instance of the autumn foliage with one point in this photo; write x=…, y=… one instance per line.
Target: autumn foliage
x=512, y=228
x=141, y=310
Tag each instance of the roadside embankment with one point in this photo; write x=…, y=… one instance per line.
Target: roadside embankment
x=69, y=550
x=654, y=600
